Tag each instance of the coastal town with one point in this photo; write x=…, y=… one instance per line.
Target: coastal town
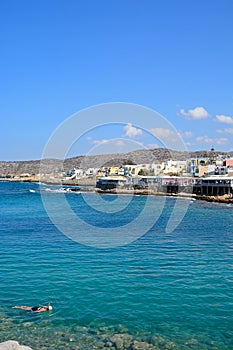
x=209, y=176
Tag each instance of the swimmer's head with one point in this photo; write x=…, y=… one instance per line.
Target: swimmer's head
x=50, y=307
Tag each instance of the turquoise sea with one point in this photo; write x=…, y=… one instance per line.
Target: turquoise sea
x=162, y=291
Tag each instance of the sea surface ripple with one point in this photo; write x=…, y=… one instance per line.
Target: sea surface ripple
x=177, y=287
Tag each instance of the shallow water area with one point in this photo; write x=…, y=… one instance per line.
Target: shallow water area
x=162, y=291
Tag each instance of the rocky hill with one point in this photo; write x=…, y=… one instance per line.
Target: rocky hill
x=136, y=157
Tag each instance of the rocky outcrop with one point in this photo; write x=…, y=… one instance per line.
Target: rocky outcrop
x=13, y=345
x=219, y=199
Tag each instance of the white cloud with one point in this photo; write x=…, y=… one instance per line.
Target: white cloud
x=204, y=139
x=225, y=131
x=152, y=145
x=117, y=143
x=169, y=138
x=214, y=141
x=99, y=142
x=221, y=141
x=163, y=132
x=186, y=134
x=105, y=146
x=224, y=119
x=195, y=114
x=131, y=131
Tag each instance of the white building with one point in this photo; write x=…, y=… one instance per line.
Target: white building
x=175, y=167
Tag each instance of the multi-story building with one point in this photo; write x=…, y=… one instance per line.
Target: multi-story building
x=175, y=167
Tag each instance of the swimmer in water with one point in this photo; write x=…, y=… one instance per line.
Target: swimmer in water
x=34, y=308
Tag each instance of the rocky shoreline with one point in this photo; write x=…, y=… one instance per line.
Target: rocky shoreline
x=79, y=337
x=48, y=335
x=89, y=185
x=219, y=199
x=99, y=338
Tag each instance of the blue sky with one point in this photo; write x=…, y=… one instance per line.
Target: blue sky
x=59, y=57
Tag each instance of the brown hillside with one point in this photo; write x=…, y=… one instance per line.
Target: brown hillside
x=135, y=157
